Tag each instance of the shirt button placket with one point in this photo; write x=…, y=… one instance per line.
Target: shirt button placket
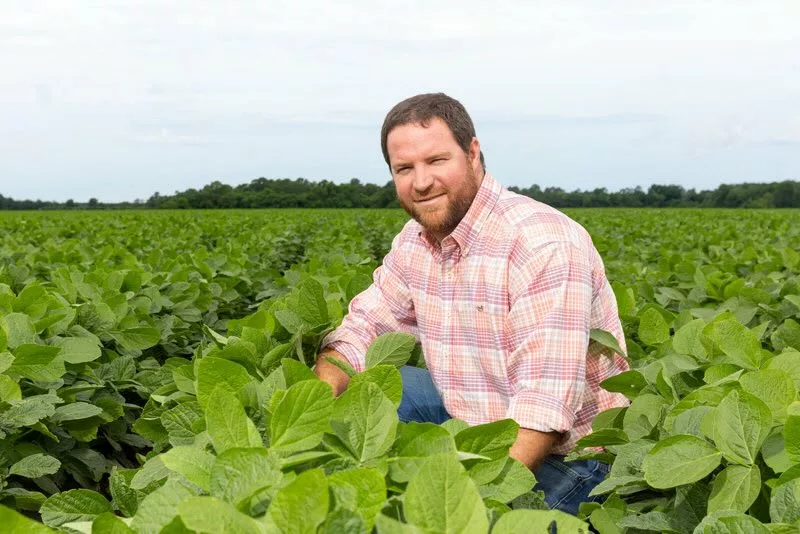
x=447, y=270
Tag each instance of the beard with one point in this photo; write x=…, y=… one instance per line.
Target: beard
x=441, y=221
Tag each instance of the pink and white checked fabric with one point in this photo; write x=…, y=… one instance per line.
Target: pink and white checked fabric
x=503, y=310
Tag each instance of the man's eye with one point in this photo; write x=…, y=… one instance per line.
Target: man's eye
x=401, y=170
x=438, y=160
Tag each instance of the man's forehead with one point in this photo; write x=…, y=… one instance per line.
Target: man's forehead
x=413, y=139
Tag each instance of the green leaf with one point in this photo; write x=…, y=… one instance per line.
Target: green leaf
x=787, y=335
x=626, y=302
x=650, y=521
x=513, y=481
x=737, y=342
x=774, y=453
x=78, y=349
x=300, y=507
x=6, y=359
x=643, y=415
x=691, y=421
x=517, y=521
x=787, y=362
x=772, y=386
x=360, y=490
x=728, y=522
x=238, y=474
x=9, y=390
x=687, y=339
x=209, y=515
x=181, y=422
x=160, y=507
x=388, y=525
x=27, y=412
x=291, y=321
x=19, y=329
x=784, y=507
x=606, y=339
x=741, y=425
x=606, y=520
x=227, y=423
x=217, y=372
x=194, y=463
x=392, y=348
x=108, y=523
x=365, y=420
x=343, y=520
x=295, y=371
x=603, y=438
x=735, y=488
x=75, y=412
x=73, y=505
x=302, y=416
x=35, y=466
x=629, y=383
x=454, y=426
x=415, y=443
x=152, y=471
x=492, y=439
x=40, y=363
x=217, y=337
x=442, y=498
x=124, y=498
x=139, y=338
x=3, y=335
x=311, y=305
x=679, y=460
x=385, y=377
x=360, y=282
x=653, y=329
x=715, y=373
x=791, y=436
x=15, y=522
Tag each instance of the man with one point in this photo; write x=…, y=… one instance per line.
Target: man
x=501, y=291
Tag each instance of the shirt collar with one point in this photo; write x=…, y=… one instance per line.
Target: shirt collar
x=470, y=226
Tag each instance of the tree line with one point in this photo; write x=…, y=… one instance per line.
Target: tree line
x=303, y=193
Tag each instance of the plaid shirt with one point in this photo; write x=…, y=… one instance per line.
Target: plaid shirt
x=503, y=310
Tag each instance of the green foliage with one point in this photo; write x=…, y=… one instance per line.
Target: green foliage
x=154, y=375
x=708, y=443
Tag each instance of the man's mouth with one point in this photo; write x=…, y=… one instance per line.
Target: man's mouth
x=429, y=200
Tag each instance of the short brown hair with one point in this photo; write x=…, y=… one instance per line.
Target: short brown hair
x=420, y=109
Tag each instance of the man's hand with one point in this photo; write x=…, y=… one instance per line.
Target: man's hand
x=533, y=446
x=328, y=372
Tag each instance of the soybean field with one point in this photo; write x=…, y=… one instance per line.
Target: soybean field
x=154, y=377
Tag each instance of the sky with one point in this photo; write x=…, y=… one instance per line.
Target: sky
x=120, y=100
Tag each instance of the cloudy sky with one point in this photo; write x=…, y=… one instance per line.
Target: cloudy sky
x=134, y=97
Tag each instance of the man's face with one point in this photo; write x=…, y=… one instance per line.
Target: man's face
x=436, y=181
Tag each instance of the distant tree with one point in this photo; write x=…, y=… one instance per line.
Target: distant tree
x=302, y=193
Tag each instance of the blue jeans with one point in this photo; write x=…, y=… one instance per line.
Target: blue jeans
x=565, y=484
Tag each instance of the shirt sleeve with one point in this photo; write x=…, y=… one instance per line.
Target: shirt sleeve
x=385, y=306
x=548, y=327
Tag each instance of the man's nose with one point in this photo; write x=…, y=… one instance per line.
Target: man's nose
x=423, y=178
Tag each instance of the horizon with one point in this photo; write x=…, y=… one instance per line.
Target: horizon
x=138, y=201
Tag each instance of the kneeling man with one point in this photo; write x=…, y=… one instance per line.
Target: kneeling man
x=502, y=292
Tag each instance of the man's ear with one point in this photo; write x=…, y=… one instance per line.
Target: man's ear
x=475, y=154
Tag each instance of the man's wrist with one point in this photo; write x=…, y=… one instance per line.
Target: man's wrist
x=329, y=372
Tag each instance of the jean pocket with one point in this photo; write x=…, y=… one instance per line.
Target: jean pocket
x=577, y=471
x=567, y=484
